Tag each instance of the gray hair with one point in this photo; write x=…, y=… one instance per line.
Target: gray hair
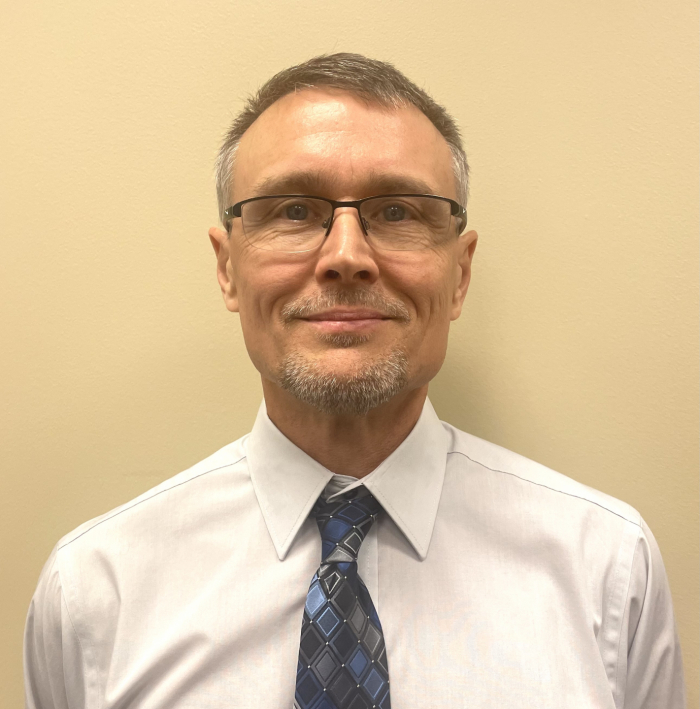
x=371, y=80
x=355, y=395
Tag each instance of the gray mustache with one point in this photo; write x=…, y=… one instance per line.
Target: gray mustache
x=310, y=305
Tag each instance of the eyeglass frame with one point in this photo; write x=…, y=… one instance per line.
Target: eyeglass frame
x=456, y=209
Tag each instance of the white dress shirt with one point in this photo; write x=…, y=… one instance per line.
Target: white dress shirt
x=498, y=582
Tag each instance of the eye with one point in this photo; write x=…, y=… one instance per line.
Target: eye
x=394, y=213
x=296, y=212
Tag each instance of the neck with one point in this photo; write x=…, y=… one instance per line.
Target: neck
x=346, y=445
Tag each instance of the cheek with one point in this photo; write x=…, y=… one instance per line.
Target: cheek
x=263, y=288
x=264, y=285
x=430, y=336
x=430, y=284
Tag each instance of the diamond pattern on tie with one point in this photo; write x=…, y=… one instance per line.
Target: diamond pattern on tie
x=342, y=655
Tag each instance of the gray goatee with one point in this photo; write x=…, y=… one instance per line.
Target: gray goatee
x=356, y=394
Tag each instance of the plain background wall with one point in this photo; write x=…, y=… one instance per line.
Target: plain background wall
x=119, y=365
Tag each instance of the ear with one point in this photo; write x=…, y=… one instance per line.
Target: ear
x=224, y=269
x=463, y=271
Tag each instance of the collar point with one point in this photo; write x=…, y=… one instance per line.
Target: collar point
x=422, y=554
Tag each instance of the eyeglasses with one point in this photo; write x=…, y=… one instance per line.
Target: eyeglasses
x=393, y=222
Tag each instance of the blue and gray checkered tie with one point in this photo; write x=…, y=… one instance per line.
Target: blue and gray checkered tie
x=342, y=657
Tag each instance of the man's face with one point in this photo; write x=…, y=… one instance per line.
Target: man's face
x=294, y=308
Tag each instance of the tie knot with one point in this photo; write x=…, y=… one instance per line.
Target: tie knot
x=344, y=524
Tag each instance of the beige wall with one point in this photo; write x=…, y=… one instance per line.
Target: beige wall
x=119, y=364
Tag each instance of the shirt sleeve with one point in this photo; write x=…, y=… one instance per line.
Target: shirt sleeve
x=649, y=656
x=54, y=675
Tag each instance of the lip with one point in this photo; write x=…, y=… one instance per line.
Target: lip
x=345, y=315
x=339, y=320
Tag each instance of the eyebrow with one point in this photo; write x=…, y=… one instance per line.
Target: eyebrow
x=323, y=185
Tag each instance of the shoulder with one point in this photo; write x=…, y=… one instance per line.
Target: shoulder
x=468, y=454
x=187, y=489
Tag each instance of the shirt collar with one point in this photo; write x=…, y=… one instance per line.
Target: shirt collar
x=408, y=484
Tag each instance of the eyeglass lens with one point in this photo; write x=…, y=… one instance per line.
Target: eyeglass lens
x=295, y=224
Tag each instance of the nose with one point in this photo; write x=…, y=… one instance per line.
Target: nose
x=345, y=256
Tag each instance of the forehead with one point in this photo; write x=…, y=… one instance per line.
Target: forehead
x=341, y=145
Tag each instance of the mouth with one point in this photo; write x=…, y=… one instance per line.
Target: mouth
x=347, y=320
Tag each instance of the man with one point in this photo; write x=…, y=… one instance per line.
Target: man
x=353, y=551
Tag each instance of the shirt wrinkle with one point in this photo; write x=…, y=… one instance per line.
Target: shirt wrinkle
x=620, y=613
x=64, y=599
x=629, y=586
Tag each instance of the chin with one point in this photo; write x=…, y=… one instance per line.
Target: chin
x=343, y=358
x=345, y=381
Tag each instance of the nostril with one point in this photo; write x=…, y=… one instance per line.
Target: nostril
x=363, y=275
x=332, y=274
